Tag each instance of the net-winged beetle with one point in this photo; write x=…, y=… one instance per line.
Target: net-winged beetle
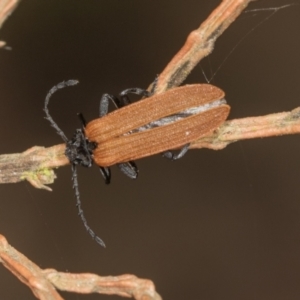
x=156, y=124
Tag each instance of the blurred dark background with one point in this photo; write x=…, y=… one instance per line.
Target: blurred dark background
x=214, y=225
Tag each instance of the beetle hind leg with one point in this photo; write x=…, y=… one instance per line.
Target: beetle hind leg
x=174, y=156
x=130, y=169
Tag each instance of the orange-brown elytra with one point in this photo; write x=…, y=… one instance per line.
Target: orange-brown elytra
x=115, y=146
x=170, y=120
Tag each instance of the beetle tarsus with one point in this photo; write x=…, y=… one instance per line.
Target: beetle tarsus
x=174, y=156
x=124, y=99
x=104, y=103
x=130, y=169
x=82, y=119
x=106, y=174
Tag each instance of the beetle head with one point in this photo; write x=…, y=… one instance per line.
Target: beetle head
x=79, y=149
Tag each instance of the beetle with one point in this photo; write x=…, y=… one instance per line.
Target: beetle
x=156, y=124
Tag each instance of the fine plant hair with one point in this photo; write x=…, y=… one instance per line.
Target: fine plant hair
x=84, y=155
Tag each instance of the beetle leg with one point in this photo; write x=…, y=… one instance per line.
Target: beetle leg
x=123, y=101
x=104, y=102
x=137, y=91
x=124, y=95
x=181, y=153
x=129, y=169
x=105, y=172
x=82, y=119
x=89, y=147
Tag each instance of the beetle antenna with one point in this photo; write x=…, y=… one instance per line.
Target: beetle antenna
x=80, y=211
x=61, y=85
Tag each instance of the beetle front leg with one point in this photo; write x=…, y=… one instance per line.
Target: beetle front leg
x=105, y=172
x=82, y=119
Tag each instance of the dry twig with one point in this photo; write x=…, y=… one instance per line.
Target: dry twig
x=44, y=283
x=250, y=128
x=6, y=8
x=35, y=165
x=199, y=43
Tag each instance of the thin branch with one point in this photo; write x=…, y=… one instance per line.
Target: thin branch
x=39, y=161
x=35, y=165
x=250, y=128
x=6, y=8
x=27, y=272
x=124, y=285
x=199, y=43
x=44, y=283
